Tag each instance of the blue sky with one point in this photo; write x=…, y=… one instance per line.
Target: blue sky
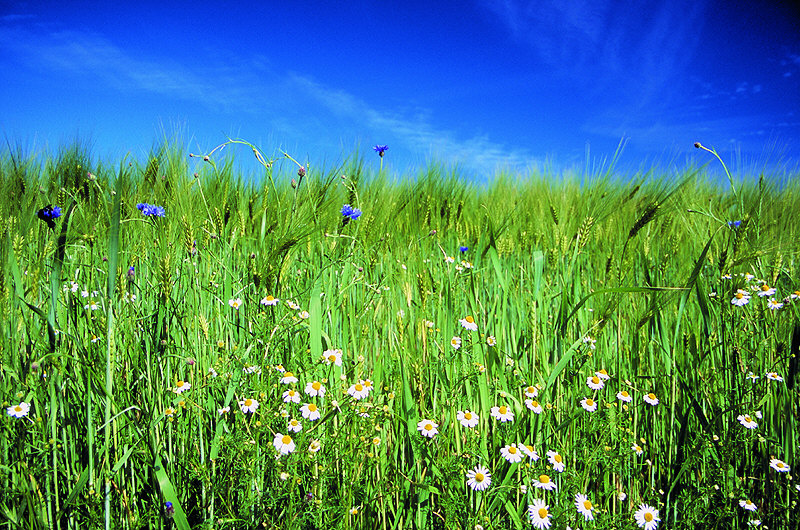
x=482, y=84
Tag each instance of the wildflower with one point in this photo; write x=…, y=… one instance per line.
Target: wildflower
x=455, y=342
x=291, y=396
x=449, y=259
x=150, y=210
x=469, y=323
x=169, y=510
x=595, y=383
x=354, y=510
x=539, y=514
x=463, y=248
x=283, y=443
x=314, y=446
x=235, y=303
x=467, y=419
x=182, y=387
x=752, y=377
x=794, y=296
x=765, y=290
x=590, y=341
x=310, y=411
x=529, y=451
x=288, y=378
x=602, y=374
x=647, y=517
x=511, y=453
x=774, y=304
x=294, y=425
x=741, y=298
x=92, y=305
x=491, y=341
x=332, y=357
x=623, y=395
x=479, y=478
x=773, y=376
x=584, y=506
x=48, y=213
x=589, y=405
x=358, y=391
x=252, y=369
x=544, y=482
x=556, y=461
x=636, y=448
x=19, y=411
x=292, y=305
x=534, y=405
x=315, y=388
x=427, y=428
x=248, y=405
x=223, y=410
x=779, y=465
x=502, y=414
x=748, y=505
x=169, y=411
x=303, y=315
x=747, y=421
x=531, y=391
x=754, y=522
x=350, y=213
x=380, y=149
x=269, y=300
x=651, y=399
x=734, y=224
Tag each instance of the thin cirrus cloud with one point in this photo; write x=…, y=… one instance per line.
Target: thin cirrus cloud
x=246, y=89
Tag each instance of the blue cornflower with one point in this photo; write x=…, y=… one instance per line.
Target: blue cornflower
x=350, y=212
x=169, y=509
x=734, y=224
x=380, y=149
x=48, y=213
x=150, y=209
x=463, y=249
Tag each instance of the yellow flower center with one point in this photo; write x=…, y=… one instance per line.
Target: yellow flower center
x=270, y=298
x=503, y=410
x=530, y=390
x=587, y=505
x=467, y=416
x=624, y=393
x=765, y=287
x=535, y=404
x=512, y=450
x=603, y=371
x=17, y=408
x=747, y=419
x=557, y=458
x=648, y=517
x=359, y=387
x=543, y=513
x=739, y=295
x=479, y=477
x=595, y=380
x=248, y=402
x=589, y=402
x=544, y=479
x=287, y=375
x=180, y=384
x=286, y=440
x=312, y=407
x=428, y=426
x=470, y=319
x=316, y=385
x=651, y=395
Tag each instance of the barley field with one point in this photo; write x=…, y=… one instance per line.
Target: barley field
x=184, y=346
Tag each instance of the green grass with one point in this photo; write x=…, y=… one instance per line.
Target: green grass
x=630, y=274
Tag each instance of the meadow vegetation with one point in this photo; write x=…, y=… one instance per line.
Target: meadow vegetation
x=333, y=348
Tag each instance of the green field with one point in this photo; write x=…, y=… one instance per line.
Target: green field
x=154, y=368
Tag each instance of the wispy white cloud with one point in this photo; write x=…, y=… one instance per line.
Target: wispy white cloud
x=92, y=56
x=417, y=133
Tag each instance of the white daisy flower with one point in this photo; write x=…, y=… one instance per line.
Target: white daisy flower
x=511, y=453
x=651, y=399
x=467, y=418
x=647, y=517
x=248, y=405
x=19, y=411
x=544, y=482
x=310, y=411
x=584, y=506
x=502, y=414
x=534, y=405
x=747, y=421
x=595, y=383
x=539, y=514
x=779, y=465
x=283, y=443
x=427, y=428
x=468, y=323
x=479, y=478
x=556, y=460
x=748, y=505
x=589, y=405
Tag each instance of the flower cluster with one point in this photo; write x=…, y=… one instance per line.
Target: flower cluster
x=150, y=210
x=350, y=212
